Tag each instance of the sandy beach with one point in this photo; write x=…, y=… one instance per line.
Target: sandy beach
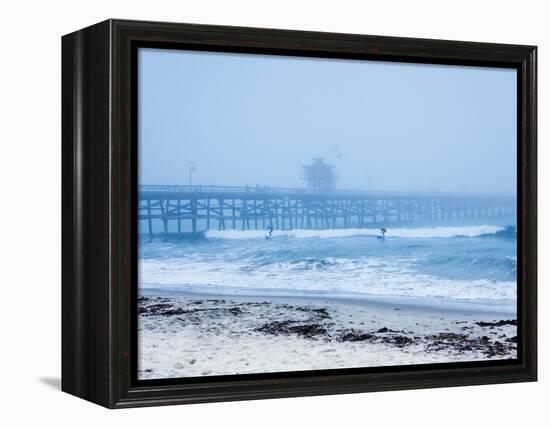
x=190, y=334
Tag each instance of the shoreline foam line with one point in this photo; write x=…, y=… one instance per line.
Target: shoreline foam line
x=503, y=307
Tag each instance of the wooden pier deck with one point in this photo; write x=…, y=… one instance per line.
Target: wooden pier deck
x=191, y=209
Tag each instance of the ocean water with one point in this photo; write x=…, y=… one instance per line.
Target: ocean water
x=450, y=263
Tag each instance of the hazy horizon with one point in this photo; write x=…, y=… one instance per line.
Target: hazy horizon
x=245, y=119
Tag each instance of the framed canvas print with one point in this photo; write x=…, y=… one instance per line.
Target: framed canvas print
x=252, y=213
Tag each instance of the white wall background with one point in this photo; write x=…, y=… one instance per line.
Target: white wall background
x=30, y=211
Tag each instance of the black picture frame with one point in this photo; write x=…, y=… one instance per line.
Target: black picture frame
x=99, y=185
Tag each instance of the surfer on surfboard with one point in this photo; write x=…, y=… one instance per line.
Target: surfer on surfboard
x=270, y=228
x=382, y=233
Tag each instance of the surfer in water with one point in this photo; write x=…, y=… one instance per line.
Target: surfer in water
x=270, y=229
x=382, y=233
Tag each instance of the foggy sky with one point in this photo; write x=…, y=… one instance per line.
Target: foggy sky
x=256, y=119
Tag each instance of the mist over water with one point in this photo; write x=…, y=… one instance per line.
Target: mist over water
x=257, y=119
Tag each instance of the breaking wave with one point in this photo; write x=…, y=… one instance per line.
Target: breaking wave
x=427, y=232
x=452, y=263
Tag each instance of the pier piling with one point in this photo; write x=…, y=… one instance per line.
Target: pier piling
x=192, y=209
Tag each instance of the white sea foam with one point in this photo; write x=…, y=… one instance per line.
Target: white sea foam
x=389, y=276
x=422, y=232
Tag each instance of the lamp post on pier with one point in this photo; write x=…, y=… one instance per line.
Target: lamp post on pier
x=191, y=170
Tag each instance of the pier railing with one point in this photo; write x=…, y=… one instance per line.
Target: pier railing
x=258, y=189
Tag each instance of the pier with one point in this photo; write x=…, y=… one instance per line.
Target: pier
x=178, y=209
